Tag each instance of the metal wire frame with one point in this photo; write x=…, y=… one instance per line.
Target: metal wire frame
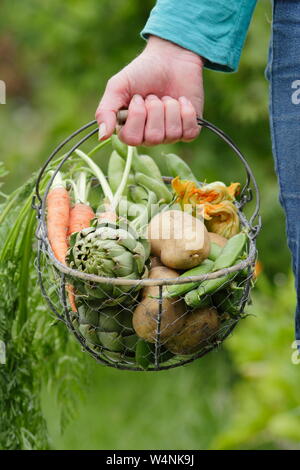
x=252, y=231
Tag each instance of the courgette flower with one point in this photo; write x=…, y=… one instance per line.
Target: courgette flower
x=214, y=201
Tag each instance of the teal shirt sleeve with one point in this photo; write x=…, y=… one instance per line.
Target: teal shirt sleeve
x=213, y=29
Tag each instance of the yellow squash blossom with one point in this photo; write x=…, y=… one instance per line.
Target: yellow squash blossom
x=222, y=218
x=215, y=200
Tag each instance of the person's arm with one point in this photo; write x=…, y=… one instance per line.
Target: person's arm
x=162, y=88
x=214, y=29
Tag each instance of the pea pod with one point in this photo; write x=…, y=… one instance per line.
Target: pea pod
x=194, y=298
x=130, y=210
x=116, y=167
x=215, y=251
x=142, y=195
x=146, y=165
x=178, y=167
x=231, y=251
x=138, y=193
x=177, y=290
x=158, y=187
x=119, y=146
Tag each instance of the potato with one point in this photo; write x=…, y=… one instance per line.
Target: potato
x=198, y=330
x=155, y=262
x=145, y=316
x=179, y=239
x=218, y=239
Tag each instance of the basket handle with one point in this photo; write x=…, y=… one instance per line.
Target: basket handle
x=246, y=193
x=121, y=120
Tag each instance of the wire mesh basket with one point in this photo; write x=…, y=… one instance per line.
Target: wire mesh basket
x=113, y=324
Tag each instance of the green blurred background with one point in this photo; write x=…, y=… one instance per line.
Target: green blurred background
x=55, y=58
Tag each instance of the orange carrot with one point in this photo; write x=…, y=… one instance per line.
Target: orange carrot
x=71, y=297
x=58, y=218
x=80, y=217
x=58, y=206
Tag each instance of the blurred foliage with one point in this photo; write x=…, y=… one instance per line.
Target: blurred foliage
x=55, y=58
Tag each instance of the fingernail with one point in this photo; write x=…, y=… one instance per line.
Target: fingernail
x=102, y=131
x=152, y=98
x=137, y=99
x=184, y=100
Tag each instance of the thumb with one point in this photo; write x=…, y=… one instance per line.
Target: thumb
x=114, y=98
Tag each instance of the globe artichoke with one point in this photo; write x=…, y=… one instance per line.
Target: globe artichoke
x=108, y=332
x=108, y=249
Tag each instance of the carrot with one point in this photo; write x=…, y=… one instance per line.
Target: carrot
x=58, y=218
x=58, y=215
x=80, y=217
x=71, y=297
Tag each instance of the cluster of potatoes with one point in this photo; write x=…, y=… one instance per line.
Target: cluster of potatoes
x=179, y=242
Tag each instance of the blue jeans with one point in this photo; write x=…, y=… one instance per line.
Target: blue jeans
x=283, y=72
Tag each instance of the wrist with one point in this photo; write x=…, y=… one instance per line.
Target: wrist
x=159, y=45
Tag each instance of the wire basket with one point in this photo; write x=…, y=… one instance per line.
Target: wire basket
x=104, y=325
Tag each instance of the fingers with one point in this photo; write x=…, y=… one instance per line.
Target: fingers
x=173, y=124
x=190, y=128
x=114, y=98
x=155, y=124
x=132, y=133
x=151, y=121
x=170, y=120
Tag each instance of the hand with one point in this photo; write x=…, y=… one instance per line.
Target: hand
x=163, y=91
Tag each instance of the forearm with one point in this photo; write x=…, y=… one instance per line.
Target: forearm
x=215, y=30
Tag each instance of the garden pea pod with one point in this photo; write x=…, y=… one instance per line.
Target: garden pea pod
x=116, y=166
x=158, y=187
x=215, y=251
x=119, y=146
x=146, y=165
x=178, y=167
x=138, y=194
x=194, y=297
x=142, y=195
x=115, y=171
x=176, y=290
x=231, y=252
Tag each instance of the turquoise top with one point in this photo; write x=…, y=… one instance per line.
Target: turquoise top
x=213, y=29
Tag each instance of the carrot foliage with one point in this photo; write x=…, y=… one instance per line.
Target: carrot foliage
x=35, y=353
